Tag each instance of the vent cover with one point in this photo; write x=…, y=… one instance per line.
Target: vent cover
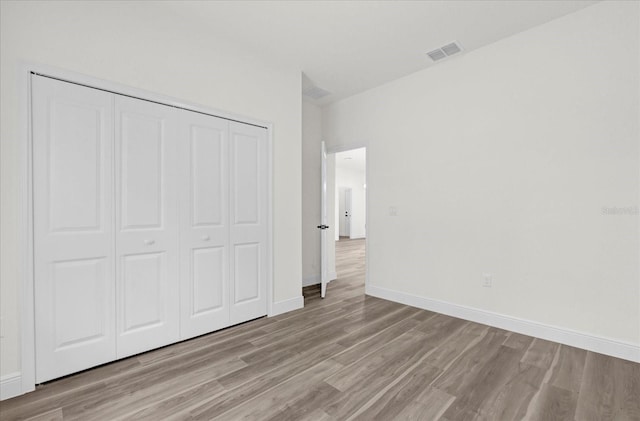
x=437, y=54
x=315, y=92
x=444, y=52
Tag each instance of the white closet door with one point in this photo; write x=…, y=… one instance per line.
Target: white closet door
x=204, y=224
x=248, y=221
x=146, y=226
x=73, y=241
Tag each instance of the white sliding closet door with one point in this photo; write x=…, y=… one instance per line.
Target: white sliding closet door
x=204, y=223
x=248, y=198
x=146, y=225
x=73, y=242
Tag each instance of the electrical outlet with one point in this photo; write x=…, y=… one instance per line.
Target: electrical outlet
x=486, y=280
x=393, y=211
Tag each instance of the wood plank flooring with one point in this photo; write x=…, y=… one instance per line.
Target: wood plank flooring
x=347, y=356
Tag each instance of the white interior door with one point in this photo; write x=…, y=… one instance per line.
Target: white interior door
x=73, y=235
x=146, y=225
x=248, y=197
x=347, y=212
x=324, y=257
x=204, y=223
x=344, y=210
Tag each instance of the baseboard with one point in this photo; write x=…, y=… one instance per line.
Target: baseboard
x=602, y=345
x=285, y=306
x=10, y=386
x=307, y=281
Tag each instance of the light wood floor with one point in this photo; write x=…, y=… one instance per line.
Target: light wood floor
x=348, y=357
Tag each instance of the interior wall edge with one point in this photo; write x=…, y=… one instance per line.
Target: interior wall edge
x=285, y=306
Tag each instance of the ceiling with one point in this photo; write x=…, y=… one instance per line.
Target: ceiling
x=346, y=47
x=354, y=159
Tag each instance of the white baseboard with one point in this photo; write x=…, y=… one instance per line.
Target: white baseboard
x=285, y=306
x=315, y=279
x=602, y=345
x=10, y=386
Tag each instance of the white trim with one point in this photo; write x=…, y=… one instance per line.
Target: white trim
x=119, y=88
x=332, y=276
x=27, y=319
x=602, y=345
x=367, y=225
x=10, y=386
x=270, y=216
x=26, y=294
x=285, y=306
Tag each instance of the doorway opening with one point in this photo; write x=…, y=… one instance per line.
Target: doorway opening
x=342, y=226
x=345, y=207
x=350, y=192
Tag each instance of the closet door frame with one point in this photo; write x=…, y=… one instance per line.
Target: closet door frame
x=26, y=286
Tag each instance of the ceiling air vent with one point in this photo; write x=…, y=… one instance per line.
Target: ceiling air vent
x=437, y=54
x=315, y=92
x=451, y=49
x=444, y=52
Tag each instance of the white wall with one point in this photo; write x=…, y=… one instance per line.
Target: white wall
x=354, y=180
x=500, y=161
x=144, y=46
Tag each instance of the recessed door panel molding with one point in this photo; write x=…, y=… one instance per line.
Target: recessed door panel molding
x=248, y=191
x=246, y=182
x=204, y=223
x=75, y=153
x=147, y=281
x=79, y=301
x=208, y=163
x=247, y=272
x=207, y=280
x=141, y=167
x=143, y=282
x=72, y=227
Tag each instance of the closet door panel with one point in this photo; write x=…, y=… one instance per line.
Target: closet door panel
x=73, y=242
x=248, y=229
x=143, y=170
x=204, y=227
x=143, y=279
x=247, y=272
x=147, y=225
x=208, y=279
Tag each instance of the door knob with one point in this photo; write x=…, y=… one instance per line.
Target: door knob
x=149, y=242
